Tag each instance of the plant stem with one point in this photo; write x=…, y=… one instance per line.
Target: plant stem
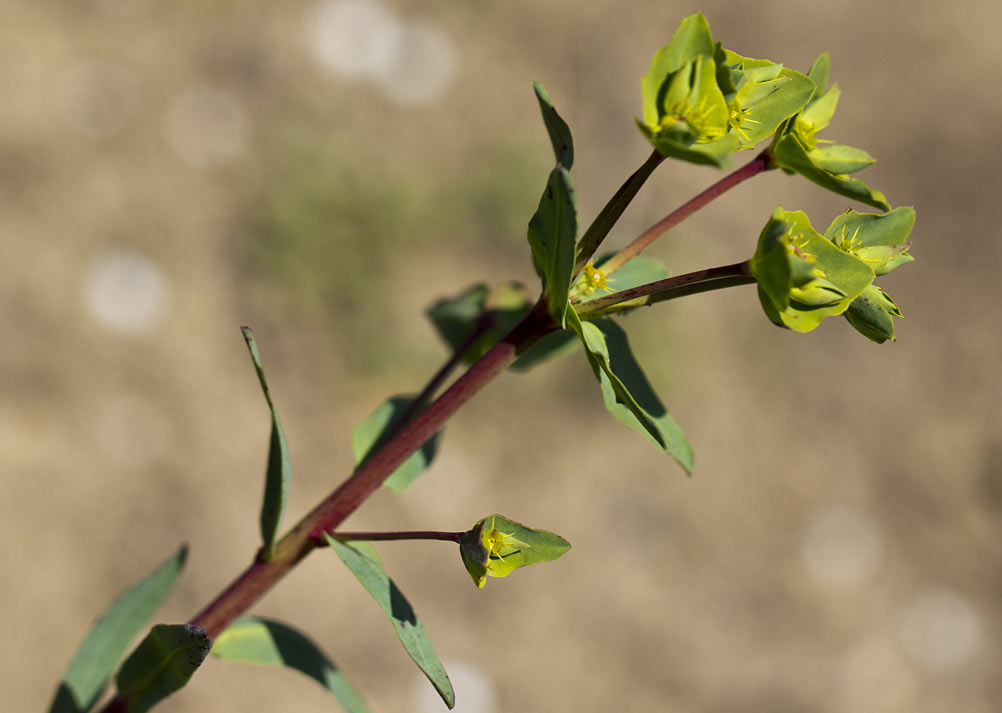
x=714, y=278
x=612, y=211
x=757, y=165
x=483, y=324
x=406, y=535
x=262, y=574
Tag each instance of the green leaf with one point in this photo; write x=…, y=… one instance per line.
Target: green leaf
x=560, y=133
x=552, y=234
x=364, y=563
x=819, y=72
x=271, y=643
x=162, y=663
x=279, y=472
x=492, y=313
x=872, y=315
x=549, y=347
x=497, y=546
x=792, y=156
x=760, y=107
x=379, y=427
x=881, y=241
x=110, y=637
x=627, y=394
x=841, y=159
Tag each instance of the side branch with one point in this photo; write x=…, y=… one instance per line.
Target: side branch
x=332, y=511
x=760, y=163
x=612, y=211
x=691, y=283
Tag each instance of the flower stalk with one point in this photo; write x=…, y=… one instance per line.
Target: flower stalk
x=691, y=283
x=760, y=163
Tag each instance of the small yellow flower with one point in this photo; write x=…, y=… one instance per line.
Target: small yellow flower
x=594, y=279
x=740, y=119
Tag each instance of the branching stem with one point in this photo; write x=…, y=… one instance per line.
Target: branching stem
x=757, y=165
x=612, y=211
x=332, y=511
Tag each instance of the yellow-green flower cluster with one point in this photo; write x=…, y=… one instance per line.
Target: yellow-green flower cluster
x=703, y=103
x=804, y=276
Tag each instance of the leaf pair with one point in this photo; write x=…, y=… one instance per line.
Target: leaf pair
x=162, y=663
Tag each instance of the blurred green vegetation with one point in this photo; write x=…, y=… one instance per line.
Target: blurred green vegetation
x=330, y=227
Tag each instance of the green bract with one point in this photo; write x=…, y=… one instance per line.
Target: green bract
x=497, y=546
x=881, y=241
x=872, y=313
x=760, y=95
x=796, y=148
x=703, y=103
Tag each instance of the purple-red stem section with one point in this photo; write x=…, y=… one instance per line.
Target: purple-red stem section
x=756, y=165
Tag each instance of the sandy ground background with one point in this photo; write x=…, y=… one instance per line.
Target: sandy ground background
x=322, y=172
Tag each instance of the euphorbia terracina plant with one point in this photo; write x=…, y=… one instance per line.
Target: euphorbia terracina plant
x=701, y=104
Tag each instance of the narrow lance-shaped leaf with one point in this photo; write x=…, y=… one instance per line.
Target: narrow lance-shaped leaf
x=627, y=394
x=552, y=346
x=162, y=663
x=556, y=127
x=364, y=563
x=279, y=472
x=552, y=235
x=107, y=642
x=382, y=424
x=271, y=643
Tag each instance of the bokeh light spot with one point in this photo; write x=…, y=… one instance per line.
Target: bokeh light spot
x=841, y=546
x=940, y=630
x=125, y=292
x=206, y=127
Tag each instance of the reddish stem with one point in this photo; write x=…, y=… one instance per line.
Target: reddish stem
x=757, y=165
x=337, y=506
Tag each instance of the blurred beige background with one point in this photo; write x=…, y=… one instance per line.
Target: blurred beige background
x=322, y=171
